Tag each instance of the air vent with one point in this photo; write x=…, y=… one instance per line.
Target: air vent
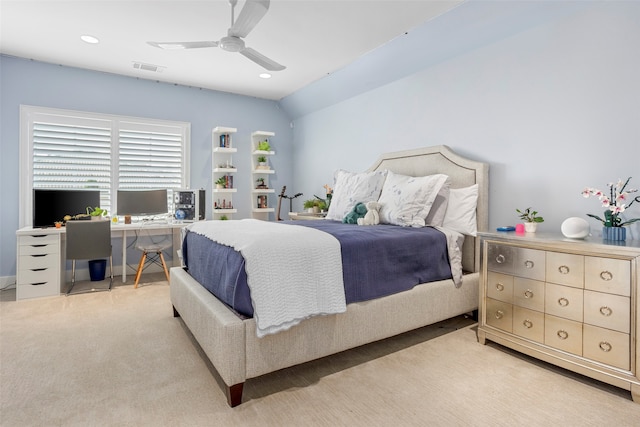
x=148, y=67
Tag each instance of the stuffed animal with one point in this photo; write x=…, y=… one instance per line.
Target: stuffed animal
x=358, y=211
x=372, y=217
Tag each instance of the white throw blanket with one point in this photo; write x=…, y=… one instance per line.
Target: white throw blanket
x=293, y=272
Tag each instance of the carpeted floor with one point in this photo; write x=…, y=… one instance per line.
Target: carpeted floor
x=120, y=358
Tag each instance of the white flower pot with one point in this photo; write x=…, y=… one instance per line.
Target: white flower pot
x=530, y=227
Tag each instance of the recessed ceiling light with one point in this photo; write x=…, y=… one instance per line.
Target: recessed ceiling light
x=265, y=76
x=89, y=39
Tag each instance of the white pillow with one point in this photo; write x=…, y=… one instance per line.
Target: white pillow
x=407, y=200
x=461, y=210
x=439, y=207
x=350, y=188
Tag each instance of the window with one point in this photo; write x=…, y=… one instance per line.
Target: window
x=79, y=150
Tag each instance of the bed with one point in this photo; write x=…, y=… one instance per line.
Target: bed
x=230, y=340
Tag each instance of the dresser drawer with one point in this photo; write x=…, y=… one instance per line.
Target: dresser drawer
x=529, y=263
x=38, y=289
x=606, y=346
x=39, y=249
x=565, y=269
x=38, y=239
x=500, y=258
x=528, y=293
x=39, y=275
x=31, y=262
x=563, y=301
x=563, y=334
x=499, y=314
x=500, y=286
x=612, y=276
x=528, y=324
x=608, y=311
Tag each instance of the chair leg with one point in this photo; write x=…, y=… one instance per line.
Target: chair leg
x=140, y=268
x=164, y=265
x=73, y=276
x=110, y=272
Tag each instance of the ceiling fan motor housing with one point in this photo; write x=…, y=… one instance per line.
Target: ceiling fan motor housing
x=231, y=44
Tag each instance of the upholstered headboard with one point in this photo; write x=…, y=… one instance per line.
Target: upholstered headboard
x=463, y=172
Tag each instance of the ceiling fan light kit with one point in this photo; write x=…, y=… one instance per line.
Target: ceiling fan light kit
x=252, y=12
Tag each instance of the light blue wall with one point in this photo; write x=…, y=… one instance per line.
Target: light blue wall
x=34, y=83
x=552, y=109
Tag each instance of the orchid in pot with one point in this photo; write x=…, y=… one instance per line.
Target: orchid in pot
x=617, y=201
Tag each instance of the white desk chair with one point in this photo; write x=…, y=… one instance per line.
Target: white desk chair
x=151, y=247
x=88, y=240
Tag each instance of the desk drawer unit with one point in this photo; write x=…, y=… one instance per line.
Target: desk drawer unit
x=39, y=266
x=570, y=302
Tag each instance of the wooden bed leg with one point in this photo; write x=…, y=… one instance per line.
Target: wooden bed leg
x=175, y=312
x=234, y=394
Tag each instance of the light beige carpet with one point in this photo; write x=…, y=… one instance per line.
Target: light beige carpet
x=120, y=358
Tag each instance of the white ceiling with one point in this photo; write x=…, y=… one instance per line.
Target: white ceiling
x=312, y=38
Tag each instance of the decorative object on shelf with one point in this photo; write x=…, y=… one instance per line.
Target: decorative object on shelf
x=221, y=182
x=312, y=205
x=260, y=184
x=575, y=228
x=615, y=203
x=530, y=218
x=262, y=163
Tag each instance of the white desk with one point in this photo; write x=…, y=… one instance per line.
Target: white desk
x=41, y=261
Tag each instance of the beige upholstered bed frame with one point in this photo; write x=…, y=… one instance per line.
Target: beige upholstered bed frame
x=237, y=354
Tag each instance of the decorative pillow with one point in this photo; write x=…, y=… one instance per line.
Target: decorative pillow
x=350, y=188
x=461, y=210
x=439, y=207
x=407, y=200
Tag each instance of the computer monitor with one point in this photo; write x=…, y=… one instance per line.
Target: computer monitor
x=142, y=202
x=51, y=205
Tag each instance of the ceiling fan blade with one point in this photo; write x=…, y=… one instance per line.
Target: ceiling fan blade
x=183, y=45
x=252, y=12
x=262, y=60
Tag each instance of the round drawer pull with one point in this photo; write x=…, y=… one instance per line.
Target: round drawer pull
x=529, y=264
x=606, y=311
x=563, y=302
x=500, y=259
x=605, y=346
x=563, y=269
x=606, y=275
x=527, y=323
x=499, y=314
x=528, y=293
x=500, y=286
x=563, y=335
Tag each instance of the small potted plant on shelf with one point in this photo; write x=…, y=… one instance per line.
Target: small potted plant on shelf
x=314, y=205
x=260, y=184
x=264, y=146
x=221, y=182
x=531, y=219
x=96, y=213
x=262, y=162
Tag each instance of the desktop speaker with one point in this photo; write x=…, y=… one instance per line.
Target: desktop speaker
x=189, y=205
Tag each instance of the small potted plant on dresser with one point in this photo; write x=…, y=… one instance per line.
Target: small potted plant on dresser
x=531, y=219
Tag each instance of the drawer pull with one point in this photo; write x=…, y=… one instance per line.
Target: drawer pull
x=500, y=259
x=563, y=269
x=606, y=311
x=605, y=346
x=562, y=334
x=528, y=293
x=500, y=286
x=499, y=314
x=606, y=275
x=563, y=302
x=38, y=283
x=39, y=246
x=529, y=264
x=528, y=324
x=38, y=269
x=38, y=255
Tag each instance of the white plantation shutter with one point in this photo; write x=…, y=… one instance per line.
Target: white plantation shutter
x=79, y=150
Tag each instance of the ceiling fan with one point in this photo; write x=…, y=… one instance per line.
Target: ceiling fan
x=252, y=12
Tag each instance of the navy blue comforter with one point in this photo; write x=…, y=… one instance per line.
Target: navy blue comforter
x=376, y=261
